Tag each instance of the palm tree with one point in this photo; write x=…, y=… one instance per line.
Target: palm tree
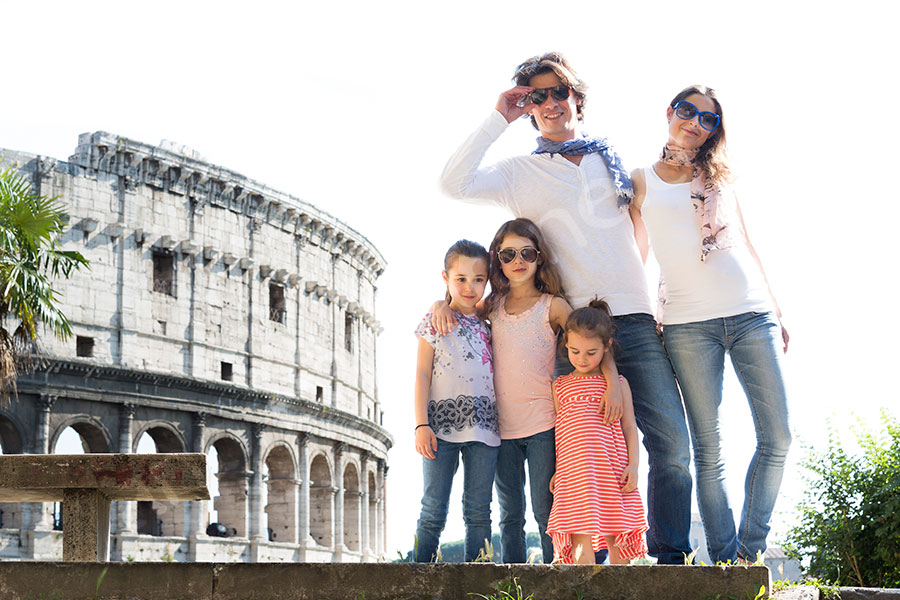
x=30, y=258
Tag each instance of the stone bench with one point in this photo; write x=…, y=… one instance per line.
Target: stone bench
x=86, y=483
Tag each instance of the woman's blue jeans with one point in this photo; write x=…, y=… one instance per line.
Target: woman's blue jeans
x=697, y=351
x=479, y=465
x=539, y=451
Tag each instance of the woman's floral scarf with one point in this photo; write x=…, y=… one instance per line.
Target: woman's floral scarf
x=718, y=218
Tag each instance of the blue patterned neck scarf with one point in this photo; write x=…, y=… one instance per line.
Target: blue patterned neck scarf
x=587, y=145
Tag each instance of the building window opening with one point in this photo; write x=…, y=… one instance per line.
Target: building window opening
x=227, y=371
x=320, y=392
x=348, y=332
x=164, y=273
x=84, y=346
x=148, y=522
x=277, y=311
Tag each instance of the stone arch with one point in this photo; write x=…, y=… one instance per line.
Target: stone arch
x=11, y=439
x=233, y=477
x=93, y=433
x=161, y=517
x=321, y=501
x=10, y=443
x=373, y=511
x=352, y=501
x=282, y=493
x=165, y=436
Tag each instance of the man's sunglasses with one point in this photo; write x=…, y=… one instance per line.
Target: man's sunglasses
x=528, y=254
x=687, y=111
x=539, y=96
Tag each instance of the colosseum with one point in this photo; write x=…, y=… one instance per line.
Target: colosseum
x=219, y=316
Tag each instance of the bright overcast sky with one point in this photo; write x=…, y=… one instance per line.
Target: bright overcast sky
x=356, y=106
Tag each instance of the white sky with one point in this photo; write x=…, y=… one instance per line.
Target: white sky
x=356, y=106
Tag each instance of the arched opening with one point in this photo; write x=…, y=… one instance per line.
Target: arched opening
x=282, y=492
x=160, y=517
x=81, y=437
x=230, y=504
x=321, y=502
x=352, y=501
x=10, y=443
x=373, y=513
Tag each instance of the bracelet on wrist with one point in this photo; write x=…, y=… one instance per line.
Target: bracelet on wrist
x=421, y=425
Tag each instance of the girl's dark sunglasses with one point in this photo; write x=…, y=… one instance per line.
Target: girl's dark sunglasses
x=539, y=96
x=685, y=110
x=528, y=254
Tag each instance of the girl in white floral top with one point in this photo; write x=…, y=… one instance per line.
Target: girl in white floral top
x=456, y=413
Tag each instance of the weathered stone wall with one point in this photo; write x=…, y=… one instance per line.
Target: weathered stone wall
x=217, y=313
x=376, y=582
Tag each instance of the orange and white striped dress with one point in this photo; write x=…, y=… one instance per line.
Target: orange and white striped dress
x=590, y=458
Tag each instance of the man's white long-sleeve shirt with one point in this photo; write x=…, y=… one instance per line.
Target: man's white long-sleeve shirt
x=575, y=206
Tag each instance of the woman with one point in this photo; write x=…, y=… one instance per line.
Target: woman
x=714, y=298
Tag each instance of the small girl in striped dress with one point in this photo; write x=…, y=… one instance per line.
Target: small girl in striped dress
x=596, y=503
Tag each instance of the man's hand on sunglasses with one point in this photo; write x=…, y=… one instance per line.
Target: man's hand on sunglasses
x=508, y=103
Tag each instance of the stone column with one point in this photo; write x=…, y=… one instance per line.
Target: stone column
x=338, y=536
x=125, y=511
x=364, y=539
x=381, y=541
x=256, y=510
x=303, y=501
x=198, y=510
x=42, y=512
x=36, y=530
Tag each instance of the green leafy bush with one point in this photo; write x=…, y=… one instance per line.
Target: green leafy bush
x=849, y=529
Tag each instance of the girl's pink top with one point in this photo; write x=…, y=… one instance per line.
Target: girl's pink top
x=524, y=355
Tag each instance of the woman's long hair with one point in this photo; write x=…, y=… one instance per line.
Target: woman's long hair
x=711, y=159
x=546, y=278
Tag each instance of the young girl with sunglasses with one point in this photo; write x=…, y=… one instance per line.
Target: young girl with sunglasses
x=526, y=308
x=715, y=299
x=456, y=413
x=596, y=503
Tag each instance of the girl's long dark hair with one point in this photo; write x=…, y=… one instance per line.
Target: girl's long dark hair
x=546, y=279
x=711, y=159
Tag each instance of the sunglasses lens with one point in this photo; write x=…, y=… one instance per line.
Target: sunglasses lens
x=528, y=254
x=538, y=96
x=709, y=121
x=507, y=255
x=685, y=110
x=560, y=92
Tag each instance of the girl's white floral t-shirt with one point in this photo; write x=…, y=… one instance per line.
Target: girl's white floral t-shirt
x=462, y=407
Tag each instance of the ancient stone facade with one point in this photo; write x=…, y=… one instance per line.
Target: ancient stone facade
x=218, y=313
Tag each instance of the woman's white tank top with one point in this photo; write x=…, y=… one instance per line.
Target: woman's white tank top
x=728, y=283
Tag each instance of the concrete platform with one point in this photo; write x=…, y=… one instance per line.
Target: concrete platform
x=314, y=581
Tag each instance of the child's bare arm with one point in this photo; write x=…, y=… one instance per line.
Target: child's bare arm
x=629, y=479
x=559, y=312
x=426, y=441
x=612, y=399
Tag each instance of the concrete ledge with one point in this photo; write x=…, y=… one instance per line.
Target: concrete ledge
x=854, y=593
x=44, y=477
x=326, y=581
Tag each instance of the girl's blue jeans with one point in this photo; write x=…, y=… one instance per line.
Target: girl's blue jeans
x=479, y=464
x=539, y=451
x=697, y=351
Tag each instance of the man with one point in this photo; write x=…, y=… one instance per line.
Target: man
x=576, y=190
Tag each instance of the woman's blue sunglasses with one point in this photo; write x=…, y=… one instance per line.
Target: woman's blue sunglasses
x=687, y=111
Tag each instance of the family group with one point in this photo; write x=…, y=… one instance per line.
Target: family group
x=565, y=360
